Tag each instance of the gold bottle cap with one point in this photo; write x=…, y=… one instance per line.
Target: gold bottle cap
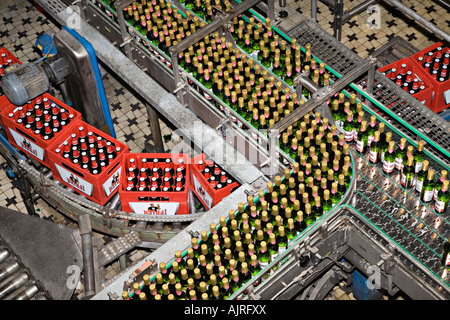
x=376, y=136
x=172, y=278
x=430, y=175
x=420, y=145
x=445, y=185
x=308, y=208
x=444, y=174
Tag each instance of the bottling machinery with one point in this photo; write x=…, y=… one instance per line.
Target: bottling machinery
x=378, y=224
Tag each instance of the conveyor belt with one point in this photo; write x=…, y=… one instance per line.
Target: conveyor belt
x=409, y=110
x=401, y=216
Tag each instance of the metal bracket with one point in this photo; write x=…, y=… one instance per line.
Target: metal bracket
x=193, y=234
x=252, y=295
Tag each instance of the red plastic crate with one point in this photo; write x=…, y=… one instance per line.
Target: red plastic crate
x=26, y=140
x=97, y=188
x=425, y=96
x=208, y=196
x=441, y=98
x=155, y=202
x=4, y=102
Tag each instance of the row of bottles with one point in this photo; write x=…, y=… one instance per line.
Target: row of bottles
x=88, y=151
x=42, y=117
x=372, y=140
x=155, y=174
x=245, y=242
x=214, y=174
x=406, y=79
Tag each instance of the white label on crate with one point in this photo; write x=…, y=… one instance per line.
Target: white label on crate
x=202, y=193
x=28, y=145
x=447, y=96
x=74, y=181
x=112, y=183
x=155, y=208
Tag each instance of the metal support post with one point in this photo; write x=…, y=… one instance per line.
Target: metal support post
x=88, y=254
x=155, y=128
x=126, y=38
x=283, y=13
x=338, y=18
x=314, y=10
x=370, y=80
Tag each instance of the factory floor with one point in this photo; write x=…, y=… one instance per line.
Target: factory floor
x=22, y=24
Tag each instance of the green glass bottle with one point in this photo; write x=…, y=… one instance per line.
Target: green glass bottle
x=426, y=194
x=407, y=177
x=272, y=246
x=335, y=196
x=362, y=138
x=389, y=158
x=348, y=127
x=309, y=217
x=438, y=184
x=263, y=255
x=442, y=199
x=374, y=154
x=421, y=176
x=400, y=155
x=445, y=256
x=419, y=156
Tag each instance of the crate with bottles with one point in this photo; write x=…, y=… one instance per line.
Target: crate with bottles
x=434, y=63
x=410, y=78
x=210, y=182
x=88, y=161
x=155, y=183
x=34, y=126
x=7, y=60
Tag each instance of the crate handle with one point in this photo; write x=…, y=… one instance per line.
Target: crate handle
x=26, y=134
x=72, y=169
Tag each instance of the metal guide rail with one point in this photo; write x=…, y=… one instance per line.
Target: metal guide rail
x=404, y=112
x=345, y=233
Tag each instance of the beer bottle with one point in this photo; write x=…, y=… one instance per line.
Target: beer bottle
x=421, y=176
x=309, y=217
x=442, y=198
x=389, y=158
x=384, y=145
x=400, y=155
x=438, y=184
x=374, y=155
x=348, y=127
x=362, y=138
x=426, y=194
x=263, y=255
x=407, y=176
x=419, y=156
